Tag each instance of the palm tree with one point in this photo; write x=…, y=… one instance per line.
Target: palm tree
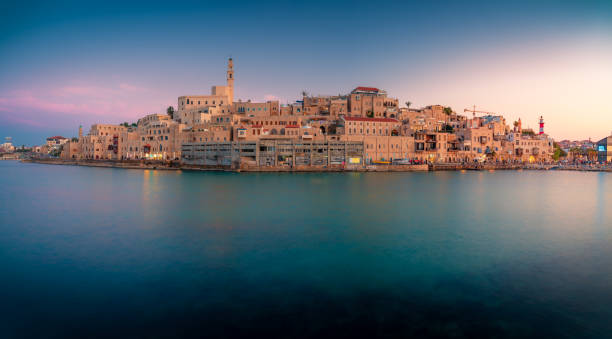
x=408, y=103
x=448, y=110
x=304, y=94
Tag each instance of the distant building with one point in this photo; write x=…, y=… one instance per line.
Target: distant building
x=604, y=150
x=56, y=140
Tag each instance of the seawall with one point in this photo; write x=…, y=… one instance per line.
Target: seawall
x=175, y=165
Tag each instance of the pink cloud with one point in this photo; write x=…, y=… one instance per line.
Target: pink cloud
x=122, y=89
x=123, y=102
x=11, y=118
x=91, y=91
x=28, y=101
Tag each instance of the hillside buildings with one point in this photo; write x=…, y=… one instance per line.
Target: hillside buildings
x=366, y=124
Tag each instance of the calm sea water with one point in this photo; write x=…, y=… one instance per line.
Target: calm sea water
x=95, y=252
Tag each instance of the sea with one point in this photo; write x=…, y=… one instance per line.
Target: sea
x=90, y=252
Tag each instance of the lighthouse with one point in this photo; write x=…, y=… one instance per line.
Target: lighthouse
x=541, y=125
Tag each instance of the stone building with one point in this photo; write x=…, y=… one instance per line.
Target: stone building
x=370, y=102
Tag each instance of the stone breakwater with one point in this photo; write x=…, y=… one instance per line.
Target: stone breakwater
x=175, y=165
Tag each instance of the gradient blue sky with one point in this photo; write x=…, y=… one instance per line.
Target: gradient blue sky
x=68, y=63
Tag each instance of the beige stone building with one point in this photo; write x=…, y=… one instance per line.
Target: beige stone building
x=257, y=109
x=193, y=108
x=372, y=102
x=156, y=137
x=531, y=148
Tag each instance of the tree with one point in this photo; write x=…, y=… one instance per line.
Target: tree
x=448, y=110
x=170, y=112
x=408, y=103
x=74, y=139
x=370, y=114
x=304, y=94
x=56, y=152
x=528, y=132
x=448, y=128
x=558, y=152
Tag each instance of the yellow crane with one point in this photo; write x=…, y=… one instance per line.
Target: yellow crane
x=474, y=111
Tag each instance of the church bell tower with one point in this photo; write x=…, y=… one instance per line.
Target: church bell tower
x=230, y=80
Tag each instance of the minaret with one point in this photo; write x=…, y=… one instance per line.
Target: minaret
x=80, y=132
x=230, y=80
x=520, y=126
x=541, y=125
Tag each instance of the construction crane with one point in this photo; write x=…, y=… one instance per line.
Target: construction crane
x=474, y=111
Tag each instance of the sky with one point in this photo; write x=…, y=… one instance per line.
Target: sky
x=70, y=63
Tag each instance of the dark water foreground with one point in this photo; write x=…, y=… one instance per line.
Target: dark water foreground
x=98, y=252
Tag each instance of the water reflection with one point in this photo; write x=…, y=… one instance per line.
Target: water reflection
x=473, y=254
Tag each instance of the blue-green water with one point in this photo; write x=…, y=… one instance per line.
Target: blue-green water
x=95, y=252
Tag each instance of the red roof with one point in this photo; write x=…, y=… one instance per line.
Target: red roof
x=370, y=119
x=292, y=126
x=366, y=89
x=256, y=126
x=56, y=137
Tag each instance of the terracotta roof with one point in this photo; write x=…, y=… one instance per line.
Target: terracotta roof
x=292, y=126
x=370, y=119
x=256, y=126
x=56, y=137
x=367, y=89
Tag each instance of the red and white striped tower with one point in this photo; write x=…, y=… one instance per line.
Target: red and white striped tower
x=541, y=125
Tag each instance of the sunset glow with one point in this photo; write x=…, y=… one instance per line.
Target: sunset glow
x=68, y=65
